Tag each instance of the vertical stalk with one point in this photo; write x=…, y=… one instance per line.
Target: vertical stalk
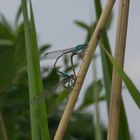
x=3, y=128
x=30, y=69
x=116, y=88
x=39, y=125
x=42, y=123
x=97, y=121
x=83, y=70
x=107, y=76
x=106, y=64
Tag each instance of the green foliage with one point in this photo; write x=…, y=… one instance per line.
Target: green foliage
x=13, y=89
x=89, y=98
x=84, y=131
x=38, y=115
x=11, y=45
x=134, y=92
x=107, y=75
x=107, y=72
x=81, y=126
x=14, y=95
x=88, y=28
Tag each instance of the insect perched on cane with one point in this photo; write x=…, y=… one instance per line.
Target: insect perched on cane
x=68, y=79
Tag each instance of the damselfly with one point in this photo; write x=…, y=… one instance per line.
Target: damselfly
x=69, y=79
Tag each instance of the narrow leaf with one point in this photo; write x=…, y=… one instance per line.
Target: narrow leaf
x=82, y=25
x=89, y=94
x=107, y=74
x=42, y=108
x=18, y=14
x=134, y=92
x=31, y=74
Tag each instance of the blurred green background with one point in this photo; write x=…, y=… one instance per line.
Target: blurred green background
x=14, y=96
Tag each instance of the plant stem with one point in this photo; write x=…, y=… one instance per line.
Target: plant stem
x=39, y=125
x=97, y=121
x=83, y=70
x=4, y=132
x=116, y=88
x=107, y=75
x=106, y=64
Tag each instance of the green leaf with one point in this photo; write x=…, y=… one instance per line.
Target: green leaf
x=55, y=100
x=43, y=123
x=31, y=73
x=44, y=48
x=51, y=80
x=5, y=23
x=134, y=92
x=39, y=123
x=20, y=48
x=18, y=14
x=6, y=42
x=6, y=32
x=7, y=63
x=107, y=74
x=106, y=65
x=10, y=51
x=110, y=19
x=123, y=128
x=89, y=98
x=82, y=25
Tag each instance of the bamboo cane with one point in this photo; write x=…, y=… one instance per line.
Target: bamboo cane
x=83, y=70
x=116, y=80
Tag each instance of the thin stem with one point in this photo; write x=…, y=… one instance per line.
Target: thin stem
x=106, y=64
x=115, y=100
x=3, y=128
x=83, y=70
x=97, y=121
